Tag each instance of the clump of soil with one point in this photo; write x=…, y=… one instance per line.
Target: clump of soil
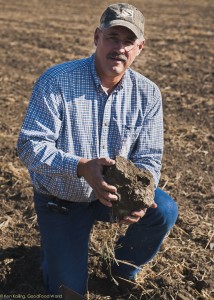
x=179, y=59
x=135, y=187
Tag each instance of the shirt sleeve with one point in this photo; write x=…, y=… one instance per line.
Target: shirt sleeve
x=37, y=142
x=148, y=150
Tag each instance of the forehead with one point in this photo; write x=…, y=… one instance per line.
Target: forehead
x=120, y=31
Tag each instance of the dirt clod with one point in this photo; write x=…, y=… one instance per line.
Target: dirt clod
x=178, y=56
x=135, y=187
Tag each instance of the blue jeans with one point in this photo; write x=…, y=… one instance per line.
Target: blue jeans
x=65, y=238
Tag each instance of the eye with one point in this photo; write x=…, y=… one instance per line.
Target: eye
x=113, y=38
x=128, y=42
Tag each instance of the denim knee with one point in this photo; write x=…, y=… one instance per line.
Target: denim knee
x=166, y=213
x=156, y=223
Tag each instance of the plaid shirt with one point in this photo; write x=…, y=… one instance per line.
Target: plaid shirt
x=70, y=116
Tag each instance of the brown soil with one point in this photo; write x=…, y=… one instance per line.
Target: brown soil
x=135, y=187
x=178, y=56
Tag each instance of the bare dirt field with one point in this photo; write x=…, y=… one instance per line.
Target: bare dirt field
x=178, y=56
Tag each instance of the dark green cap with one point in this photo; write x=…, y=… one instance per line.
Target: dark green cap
x=123, y=14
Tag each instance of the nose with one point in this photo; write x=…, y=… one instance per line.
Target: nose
x=120, y=47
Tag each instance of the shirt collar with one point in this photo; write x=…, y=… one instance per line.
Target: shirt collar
x=95, y=76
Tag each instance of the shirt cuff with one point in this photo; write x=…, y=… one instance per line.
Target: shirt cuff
x=70, y=165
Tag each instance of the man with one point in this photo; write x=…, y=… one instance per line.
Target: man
x=81, y=115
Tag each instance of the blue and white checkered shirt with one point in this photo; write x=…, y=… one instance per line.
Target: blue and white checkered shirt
x=70, y=116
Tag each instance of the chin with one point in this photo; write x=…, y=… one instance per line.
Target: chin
x=118, y=71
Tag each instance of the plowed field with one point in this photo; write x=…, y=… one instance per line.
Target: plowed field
x=178, y=56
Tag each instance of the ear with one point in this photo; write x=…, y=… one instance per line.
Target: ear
x=141, y=46
x=96, y=36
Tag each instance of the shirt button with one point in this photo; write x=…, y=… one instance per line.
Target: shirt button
x=106, y=123
x=103, y=146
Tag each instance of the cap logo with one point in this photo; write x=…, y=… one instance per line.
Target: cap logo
x=126, y=13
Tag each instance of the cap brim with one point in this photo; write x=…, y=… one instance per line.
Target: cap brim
x=126, y=24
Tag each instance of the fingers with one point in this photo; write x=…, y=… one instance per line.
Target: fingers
x=136, y=215
x=92, y=171
x=101, y=194
x=105, y=202
x=105, y=161
x=139, y=214
x=107, y=187
x=93, y=166
x=129, y=220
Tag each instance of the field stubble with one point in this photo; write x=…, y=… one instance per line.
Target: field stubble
x=178, y=56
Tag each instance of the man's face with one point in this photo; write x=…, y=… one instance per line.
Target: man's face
x=116, y=49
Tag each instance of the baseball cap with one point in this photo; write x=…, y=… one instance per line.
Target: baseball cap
x=124, y=14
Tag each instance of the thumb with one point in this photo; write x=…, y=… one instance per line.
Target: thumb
x=154, y=205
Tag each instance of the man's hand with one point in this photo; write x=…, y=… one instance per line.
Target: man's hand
x=92, y=171
x=136, y=216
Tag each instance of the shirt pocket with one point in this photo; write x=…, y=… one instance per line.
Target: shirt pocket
x=129, y=136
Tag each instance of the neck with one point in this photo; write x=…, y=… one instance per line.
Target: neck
x=109, y=84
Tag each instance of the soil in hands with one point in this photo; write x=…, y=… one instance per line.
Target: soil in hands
x=178, y=56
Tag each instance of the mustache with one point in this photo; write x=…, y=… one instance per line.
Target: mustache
x=117, y=56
